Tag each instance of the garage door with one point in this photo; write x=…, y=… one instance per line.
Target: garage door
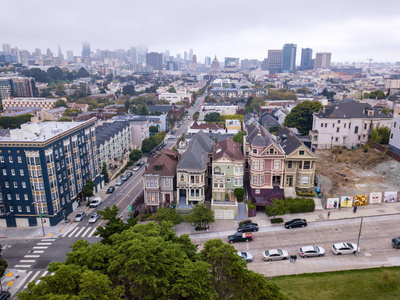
x=224, y=214
x=22, y=222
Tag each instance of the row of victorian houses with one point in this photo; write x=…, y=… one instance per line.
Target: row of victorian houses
x=211, y=171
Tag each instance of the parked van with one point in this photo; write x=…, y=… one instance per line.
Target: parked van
x=94, y=202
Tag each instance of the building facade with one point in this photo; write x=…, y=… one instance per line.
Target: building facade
x=160, y=179
x=289, y=58
x=323, y=60
x=29, y=103
x=44, y=167
x=306, y=59
x=155, y=60
x=394, y=142
x=274, y=61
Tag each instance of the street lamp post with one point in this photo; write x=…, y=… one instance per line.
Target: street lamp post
x=359, y=236
x=41, y=219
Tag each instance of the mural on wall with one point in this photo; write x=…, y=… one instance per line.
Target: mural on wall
x=375, y=197
x=346, y=201
x=390, y=196
x=332, y=202
x=360, y=200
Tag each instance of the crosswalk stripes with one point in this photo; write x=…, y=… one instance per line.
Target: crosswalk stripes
x=81, y=232
x=32, y=276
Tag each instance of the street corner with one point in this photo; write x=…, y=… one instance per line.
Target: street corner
x=11, y=278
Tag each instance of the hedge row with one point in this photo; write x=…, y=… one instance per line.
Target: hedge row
x=277, y=220
x=299, y=205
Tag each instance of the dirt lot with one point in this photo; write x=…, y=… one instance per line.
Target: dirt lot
x=365, y=172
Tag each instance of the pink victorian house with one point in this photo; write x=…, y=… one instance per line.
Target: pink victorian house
x=265, y=172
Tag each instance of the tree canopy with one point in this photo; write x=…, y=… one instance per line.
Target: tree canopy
x=14, y=122
x=212, y=117
x=128, y=90
x=167, y=214
x=151, y=262
x=200, y=215
x=238, y=137
x=301, y=116
x=171, y=89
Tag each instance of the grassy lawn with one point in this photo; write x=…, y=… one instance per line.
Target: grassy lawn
x=354, y=284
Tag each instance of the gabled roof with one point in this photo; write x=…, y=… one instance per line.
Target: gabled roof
x=268, y=120
x=206, y=126
x=108, y=130
x=196, y=155
x=350, y=110
x=227, y=148
x=288, y=140
x=163, y=164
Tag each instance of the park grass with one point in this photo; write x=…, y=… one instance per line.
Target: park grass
x=353, y=284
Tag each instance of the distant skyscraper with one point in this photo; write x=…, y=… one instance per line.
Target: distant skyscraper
x=60, y=55
x=167, y=54
x=134, y=56
x=274, y=61
x=323, y=60
x=6, y=48
x=207, y=61
x=23, y=57
x=289, y=58
x=49, y=54
x=155, y=60
x=185, y=56
x=194, y=62
x=190, y=54
x=37, y=54
x=70, y=56
x=264, y=64
x=120, y=54
x=85, y=50
x=306, y=59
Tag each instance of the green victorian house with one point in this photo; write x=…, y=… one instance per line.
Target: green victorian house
x=227, y=175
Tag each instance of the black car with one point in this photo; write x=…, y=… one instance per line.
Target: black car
x=296, y=223
x=5, y=295
x=129, y=174
x=396, y=243
x=249, y=227
x=110, y=189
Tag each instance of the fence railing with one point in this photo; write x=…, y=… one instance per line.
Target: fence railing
x=387, y=151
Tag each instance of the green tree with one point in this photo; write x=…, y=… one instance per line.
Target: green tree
x=14, y=122
x=239, y=193
x=127, y=105
x=153, y=129
x=87, y=190
x=301, y=116
x=148, y=145
x=238, y=137
x=135, y=155
x=55, y=74
x=64, y=119
x=212, y=117
x=276, y=208
x=200, y=215
x=105, y=172
x=60, y=103
x=82, y=73
x=171, y=89
x=144, y=111
x=128, y=89
x=167, y=214
x=3, y=267
x=196, y=116
x=385, y=133
x=303, y=90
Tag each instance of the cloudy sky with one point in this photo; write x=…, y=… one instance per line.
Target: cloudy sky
x=353, y=30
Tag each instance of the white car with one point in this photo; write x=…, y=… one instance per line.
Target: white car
x=246, y=256
x=344, y=248
x=94, y=217
x=308, y=251
x=95, y=202
x=275, y=254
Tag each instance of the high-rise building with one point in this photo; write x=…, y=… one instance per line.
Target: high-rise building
x=207, y=61
x=70, y=56
x=23, y=57
x=194, y=62
x=289, y=58
x=185, y=56
x=43, y=176
x=49, y=54
x=37, y=54
x=7, y=48
x=85, y=50
x=274, y=61
x=155, y=60
x=134, y=56
x=23, y=87
x=60, y=56
x=120, y=54
x=323, y=60
x=5, y=88
x=190, y=54
x=167, y=54
x=306, y=59
x=264, y=64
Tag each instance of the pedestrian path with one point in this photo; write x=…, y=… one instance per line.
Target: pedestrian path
x=33, y=275
x=81, y=232
x=31, y=258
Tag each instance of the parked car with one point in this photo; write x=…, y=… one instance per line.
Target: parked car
x=124, y=177
x=136, y=168
x=129, y=174
x=110, y=189
x=396, y=243
x=246, y=256
x=79, y=216
x=249, y=227
x=240, y=237
x=5, y=295
x=275, y=254
x=119, y=182
x=173, y=131
x=344, y=248
x=94, y=217
x=307, y=251
x=296, y=223
x=141, y=163
x=95, y=202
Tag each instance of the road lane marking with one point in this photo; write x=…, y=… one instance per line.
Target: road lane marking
x=77, y=235
x=44, y=274
x=44, y=244
x=38, y=251
x=22, y=266
x=31, y=256
x=48, y=240
x=73, y=231
x=94, y=230
x=40, y=247
x=32, y=279
x=23, y=280
x=10, y=283
x=27, y=260
x=86, y=231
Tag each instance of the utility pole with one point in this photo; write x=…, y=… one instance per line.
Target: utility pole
x=359, y=236
x=41, y=219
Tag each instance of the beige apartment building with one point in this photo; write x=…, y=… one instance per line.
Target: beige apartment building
x=28, y=103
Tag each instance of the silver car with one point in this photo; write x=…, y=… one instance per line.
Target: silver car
x=94, y=217
x=246, y=256
x=275, y=254
x=308, y=251
x=344, y=248
x=79, y=217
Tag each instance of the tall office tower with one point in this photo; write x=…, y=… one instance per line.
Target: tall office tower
x=185, y=56
x=190, y=54
x=155, y=60
x=194, y=62
x=207, y=61
x=49, y=54
x=323, y=60
x=5, y=88
x=289, y=58
x=264, y=64
x=23, y=57
x=37, y=54
x=134, y=56
x=60, y=55
x=85, y=50
x=231, y=64
x=178, y=56
x=7, y=48
x=306, y=59
x=167, y=54
x=274, y=61
x=23, y=87
x=120, y=54
x=70, y=56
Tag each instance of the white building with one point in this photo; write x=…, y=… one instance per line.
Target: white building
x=173, y=98
x=394, y=142
x=346, y=124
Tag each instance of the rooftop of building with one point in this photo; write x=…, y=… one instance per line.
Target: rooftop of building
x=108, y=130
x=31, y=99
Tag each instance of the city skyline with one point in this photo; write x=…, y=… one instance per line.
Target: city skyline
x=223, y=29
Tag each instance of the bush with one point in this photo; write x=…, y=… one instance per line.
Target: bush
x=305, y=192
x=277, y=220
x=252, y=205
x=300, y=205
x=365, y=148
x=244, y=222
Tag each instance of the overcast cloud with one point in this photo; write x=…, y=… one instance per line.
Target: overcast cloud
x=353, y=30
